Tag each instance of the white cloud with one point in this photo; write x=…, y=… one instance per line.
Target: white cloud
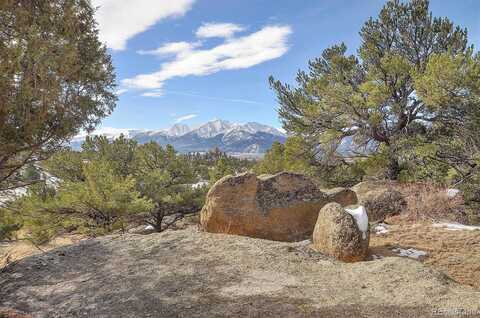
x=120, y=20
x=153, y=93
x=186, y=117
x=221, y=99
x=218, y=30
x=171, y=48
x=235, y=53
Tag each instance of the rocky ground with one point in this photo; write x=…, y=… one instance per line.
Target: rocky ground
x=187, y=273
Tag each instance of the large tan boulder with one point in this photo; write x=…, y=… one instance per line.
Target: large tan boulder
x=342, y=233
x=380, y=199
x=342, y=196
x=280, y=207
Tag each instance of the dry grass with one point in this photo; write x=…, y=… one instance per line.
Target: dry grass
x=13, y=251
x=455, y=253
x=429, y=202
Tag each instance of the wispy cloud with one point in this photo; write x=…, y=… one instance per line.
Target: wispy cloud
x=120, y=20
x=153, y=93
x=185, y=117
x=170, y=48
x=221, y=99
x=218, y=30
x=156, y=93
x=242, y=52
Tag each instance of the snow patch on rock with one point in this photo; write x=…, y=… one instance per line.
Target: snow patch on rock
x=361, y=218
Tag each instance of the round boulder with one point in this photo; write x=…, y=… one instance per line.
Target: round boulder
x=342, y=233
x=280, y=207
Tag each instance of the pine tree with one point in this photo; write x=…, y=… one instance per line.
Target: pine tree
x=221, y=169
x=273, y=161
x=376, y=99
x=166, y=178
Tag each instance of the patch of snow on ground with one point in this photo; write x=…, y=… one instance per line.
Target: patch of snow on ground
x=199, y=184
x=381, y=228
x=361, y=218
x=410, y=252
x=452, y=193
x=457, y=226
x=304, y=243
x=11, y=195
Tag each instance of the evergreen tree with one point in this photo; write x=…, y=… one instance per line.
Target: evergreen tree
x=55, y=79
x=273, y=161
x=120, y=152
x=166, y=178
x=377, y=100
x=103, y=202
x=221, y=169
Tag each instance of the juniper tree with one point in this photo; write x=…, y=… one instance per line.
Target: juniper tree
x=102, y=202
x=372, y=98
x=55, y=79
x=166, y=178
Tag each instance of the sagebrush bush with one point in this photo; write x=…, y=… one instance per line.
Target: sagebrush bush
x=427, y=201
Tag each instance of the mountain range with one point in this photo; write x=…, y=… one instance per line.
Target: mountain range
x=248, y=139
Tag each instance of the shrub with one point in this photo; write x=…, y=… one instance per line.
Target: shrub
x=427, y=201
x=8, y=225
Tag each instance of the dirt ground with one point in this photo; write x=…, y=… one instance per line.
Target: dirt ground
x=187, y=273
x=455, y=253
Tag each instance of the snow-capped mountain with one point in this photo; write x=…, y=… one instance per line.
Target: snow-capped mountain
x=178, y=130
x=218, y=126
x=234, y=138
x=213, y=128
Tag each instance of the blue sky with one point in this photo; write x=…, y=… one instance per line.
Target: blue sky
x=191, y=61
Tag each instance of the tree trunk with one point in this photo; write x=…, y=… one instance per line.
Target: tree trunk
x=393, y=168
x=158, y=215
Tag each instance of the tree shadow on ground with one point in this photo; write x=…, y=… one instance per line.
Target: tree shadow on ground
x=141, y=278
